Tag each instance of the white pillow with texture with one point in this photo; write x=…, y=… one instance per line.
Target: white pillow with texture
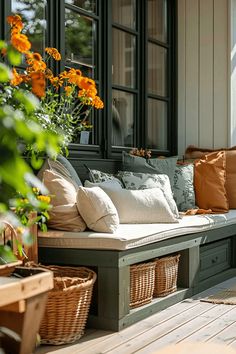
x=97, y=209
x=136, y=180
x=141, y=206
x=112, y=184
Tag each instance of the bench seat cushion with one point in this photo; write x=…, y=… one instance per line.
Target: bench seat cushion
x=129, y=236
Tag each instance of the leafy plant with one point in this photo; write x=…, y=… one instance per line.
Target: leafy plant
x=19, y=126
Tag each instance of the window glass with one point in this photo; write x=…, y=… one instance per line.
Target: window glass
x=80, y=42
x=122, y=118
x=157, y=20
x=123, y=58
x=88, y=5
x=34, y=18
x=124, y=12
x=157, y=124
x=157, y=70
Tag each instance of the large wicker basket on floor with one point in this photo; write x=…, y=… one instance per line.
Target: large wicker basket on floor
x=142, y=278
x=166, y=275
x=68, y=305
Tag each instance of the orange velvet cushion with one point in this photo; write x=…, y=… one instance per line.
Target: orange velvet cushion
x=230, y=184
x=209, y=182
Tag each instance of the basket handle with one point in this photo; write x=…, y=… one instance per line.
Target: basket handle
x=13, y=236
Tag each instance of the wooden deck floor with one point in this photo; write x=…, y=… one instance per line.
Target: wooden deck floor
x=190, y=320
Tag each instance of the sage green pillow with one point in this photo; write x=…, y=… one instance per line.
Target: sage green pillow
x=183, y=187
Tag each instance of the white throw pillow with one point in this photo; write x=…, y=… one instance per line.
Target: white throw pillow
x=137, y=180
x=112, y=184
x=97, y=209
x=141, y=206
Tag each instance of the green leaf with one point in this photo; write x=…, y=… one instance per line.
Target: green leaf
x=6, y=255
x=29, y=101
x=3, y=44
x=5, y=73
x=14, y=56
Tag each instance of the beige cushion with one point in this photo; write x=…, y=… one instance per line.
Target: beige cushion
x=141, y=206
x=66, y=217
x=97, y=209
x=62, y=190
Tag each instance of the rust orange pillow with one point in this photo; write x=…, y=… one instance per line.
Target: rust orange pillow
x=230, y=184
x=209, y=182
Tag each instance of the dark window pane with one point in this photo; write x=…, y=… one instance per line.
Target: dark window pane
x=124, y=12
x=157, y=20
x=122, y=118
x=157, y=70
x=33, y=16
x=80, y=34
x=88, y=5
x=123, y=58
x=157, y=124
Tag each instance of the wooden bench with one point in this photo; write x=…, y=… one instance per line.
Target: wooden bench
x=207, y=258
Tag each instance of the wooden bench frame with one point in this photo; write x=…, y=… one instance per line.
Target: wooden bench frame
x=110, y=307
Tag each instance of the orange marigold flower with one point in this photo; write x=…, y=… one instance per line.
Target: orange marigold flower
x=53, y=52
x=21, y=42
x=86, y=83
x=48, y=73
x=68, y=90
x=15, y=21
x=36, y=62
x=38, y=83
x=37, y=56
x=97, y=103
x=17, y=78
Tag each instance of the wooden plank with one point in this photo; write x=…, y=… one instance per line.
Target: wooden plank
x=192, y=72
x=137, y=330
x=160, y=330
x=221, y=86
x=181, y=77
x=212, y=329
x=227, y=335
x=18, y=306
x=206, y=73
x=193, y=324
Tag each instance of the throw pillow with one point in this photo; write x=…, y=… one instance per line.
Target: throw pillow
x=67, y=218
x=97, y=176
x=97, y=209
x=183, y=187
x=166, y=166
x=230, y=184
x=64, y=168
x=68, y=166
x=136, y=164
x=61, y=189
x=194, y=152
x=113, y=184
x=141, y=206
x=154, y=165
x=136, y=180
x=209, y=182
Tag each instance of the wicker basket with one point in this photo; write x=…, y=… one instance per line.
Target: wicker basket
x=142, y=277
x=68, y=305
x=166, y=275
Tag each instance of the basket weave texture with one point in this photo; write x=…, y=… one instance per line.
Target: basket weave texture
x=68, y=305
x=166, y=275
x=142, y=277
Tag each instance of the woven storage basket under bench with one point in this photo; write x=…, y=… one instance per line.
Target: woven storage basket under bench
x=68, y=304
x=166, y=274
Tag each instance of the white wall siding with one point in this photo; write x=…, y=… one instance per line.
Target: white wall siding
x=203, y=95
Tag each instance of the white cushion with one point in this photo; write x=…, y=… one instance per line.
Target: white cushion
x=141, y=206
x=113, y=184
x=97, y=209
